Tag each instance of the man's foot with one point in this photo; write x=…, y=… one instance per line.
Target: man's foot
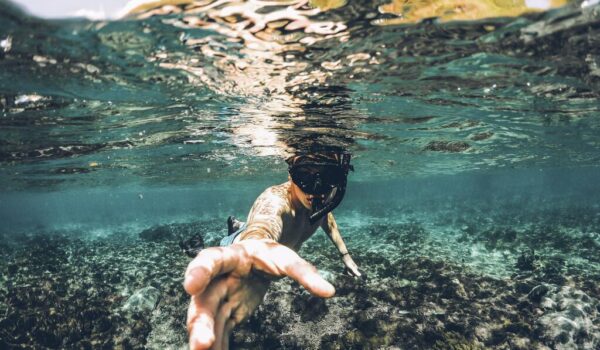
x=233, y=224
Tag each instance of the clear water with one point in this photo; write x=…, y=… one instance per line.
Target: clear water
x=183, y=114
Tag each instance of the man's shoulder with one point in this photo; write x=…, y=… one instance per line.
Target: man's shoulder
x=273, y=199
x=280, y=190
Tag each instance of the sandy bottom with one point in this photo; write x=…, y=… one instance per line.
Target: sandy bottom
x=441, y=280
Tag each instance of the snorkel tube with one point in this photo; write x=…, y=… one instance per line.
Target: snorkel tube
x=321, y=208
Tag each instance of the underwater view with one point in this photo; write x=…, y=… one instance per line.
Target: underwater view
x=472, y=211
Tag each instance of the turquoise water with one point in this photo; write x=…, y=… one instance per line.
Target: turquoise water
x=476, y=147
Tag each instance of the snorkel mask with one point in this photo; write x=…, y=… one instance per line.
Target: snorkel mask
x=325, y=180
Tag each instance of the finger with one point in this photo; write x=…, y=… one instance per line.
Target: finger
x=227, y=333
x=200, y=338
x=280, y=260
x=201, y=315
x=355, y=271
x=208, y=302
x=222, y=317
x=209, y=264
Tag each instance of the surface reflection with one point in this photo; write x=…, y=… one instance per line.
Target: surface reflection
x=182, y=86
x=257, y=53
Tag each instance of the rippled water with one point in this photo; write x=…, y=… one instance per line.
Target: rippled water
x=232, y=87
x=458, y=114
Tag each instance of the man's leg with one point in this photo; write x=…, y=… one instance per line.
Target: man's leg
x=232, y=224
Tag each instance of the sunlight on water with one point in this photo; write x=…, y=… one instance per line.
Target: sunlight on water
x=461, y=10
x=179, y=80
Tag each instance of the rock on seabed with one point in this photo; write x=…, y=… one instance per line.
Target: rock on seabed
x=569, y=319
x=142, y=300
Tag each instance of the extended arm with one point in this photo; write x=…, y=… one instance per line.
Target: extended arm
x=224, y=290
x=330, y=227
x=222, y=282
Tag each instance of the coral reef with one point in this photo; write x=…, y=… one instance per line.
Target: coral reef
x=441, y=281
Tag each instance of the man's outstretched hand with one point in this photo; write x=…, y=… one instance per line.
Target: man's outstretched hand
x=226, y=289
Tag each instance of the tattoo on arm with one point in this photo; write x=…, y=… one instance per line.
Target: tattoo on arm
x=264, y=219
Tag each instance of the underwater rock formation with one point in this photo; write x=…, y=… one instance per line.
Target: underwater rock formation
x=570, y=319
x=142, y=300
x=192, y=246
x=173, y=231
x=447, y=146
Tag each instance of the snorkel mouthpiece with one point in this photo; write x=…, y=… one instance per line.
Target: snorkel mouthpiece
x=334, y=199
x=316, y=204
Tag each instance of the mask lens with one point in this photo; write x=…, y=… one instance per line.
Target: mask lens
x=332, y=175
x=317, y=180
x=309, y=180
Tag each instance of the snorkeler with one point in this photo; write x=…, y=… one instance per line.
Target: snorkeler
x=227, y=283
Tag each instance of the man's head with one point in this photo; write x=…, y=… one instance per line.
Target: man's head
x=320, y=179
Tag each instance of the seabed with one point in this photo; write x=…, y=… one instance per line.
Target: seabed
x=439, y=280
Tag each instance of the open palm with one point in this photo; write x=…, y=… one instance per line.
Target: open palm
x=226, y=286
